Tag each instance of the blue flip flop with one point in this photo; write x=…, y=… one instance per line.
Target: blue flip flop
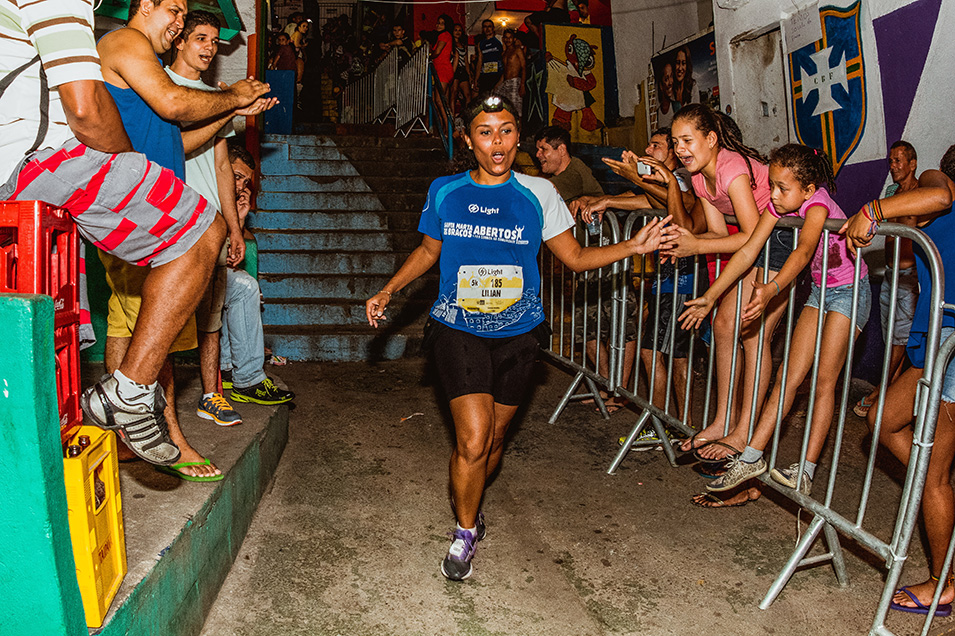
x=941, y=611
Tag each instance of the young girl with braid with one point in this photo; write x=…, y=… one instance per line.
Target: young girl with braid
x=730, y=179
x=800, y=180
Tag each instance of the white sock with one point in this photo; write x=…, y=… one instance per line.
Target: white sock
x=134, y=392
x=206, y=396
x=473, y=530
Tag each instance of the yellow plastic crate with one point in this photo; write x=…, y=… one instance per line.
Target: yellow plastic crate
x=96, y=521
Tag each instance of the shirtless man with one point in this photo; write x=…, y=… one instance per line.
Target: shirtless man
x=511, y=84
x=903, y=164
x=148, y=100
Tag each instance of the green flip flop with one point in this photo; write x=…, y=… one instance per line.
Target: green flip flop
x=176, y=471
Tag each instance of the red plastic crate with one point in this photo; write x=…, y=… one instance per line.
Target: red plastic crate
x=40, y=254
x=66, y=346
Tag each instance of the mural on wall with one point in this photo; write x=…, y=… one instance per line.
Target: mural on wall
x=686, y=74
x=828, y=87
x=575, y=85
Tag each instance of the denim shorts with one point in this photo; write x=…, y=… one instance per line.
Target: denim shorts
x=780, y=244
x=906, y=297
x=840, y=299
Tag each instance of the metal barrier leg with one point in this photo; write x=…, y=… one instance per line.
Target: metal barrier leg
x=569, y=393
x=835, y=549
x=812, y=532
x=625, y=448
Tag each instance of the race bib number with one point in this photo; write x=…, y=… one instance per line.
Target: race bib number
x=489, y=67
x=489, y=289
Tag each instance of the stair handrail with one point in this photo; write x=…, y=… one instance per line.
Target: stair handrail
x=441, y=115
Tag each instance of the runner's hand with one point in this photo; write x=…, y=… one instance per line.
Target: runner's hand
x=681, y=244
x=651, y=236
x=248, y=90
x=375, y=308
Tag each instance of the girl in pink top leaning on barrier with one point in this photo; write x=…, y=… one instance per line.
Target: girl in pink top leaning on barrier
x=799, y=177
x=730, y=179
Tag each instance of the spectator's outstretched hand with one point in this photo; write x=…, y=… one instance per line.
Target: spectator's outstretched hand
x=696, y=312
x=248, y=90
x=659, y=173
x=681, y=243
x=762, y=294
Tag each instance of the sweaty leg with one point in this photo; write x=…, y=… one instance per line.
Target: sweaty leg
x=170, y=294
x=474, y=429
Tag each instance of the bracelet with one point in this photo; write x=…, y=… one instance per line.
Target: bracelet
x=865, y=213
x=777, y=286
x=385, y=291
x=879, y=214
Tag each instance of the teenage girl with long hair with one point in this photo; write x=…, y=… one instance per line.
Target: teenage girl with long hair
x=730, y=179
x=800, y=181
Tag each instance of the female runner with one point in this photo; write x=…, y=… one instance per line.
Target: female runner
x=485, y=228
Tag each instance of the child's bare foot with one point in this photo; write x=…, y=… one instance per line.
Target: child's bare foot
x=721, y=448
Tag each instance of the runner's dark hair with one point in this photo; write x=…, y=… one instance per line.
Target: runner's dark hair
x=810, y=166
x=485, y=103
x=727, y=132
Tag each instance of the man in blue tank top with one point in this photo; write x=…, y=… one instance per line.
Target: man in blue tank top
x=151, y=106
x=489, y=61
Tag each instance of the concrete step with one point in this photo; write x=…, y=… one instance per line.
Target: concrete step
x=343, y=263
x=286, y=240
x=342, y=344
x=282, y=219
x=289, y=312
x=319, y=201
x=358, y=286
x=338, y=152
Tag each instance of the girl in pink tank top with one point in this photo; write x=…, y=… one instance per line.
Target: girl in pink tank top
x=730, y=179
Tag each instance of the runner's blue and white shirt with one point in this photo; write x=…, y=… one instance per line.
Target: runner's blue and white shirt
x=491, y=235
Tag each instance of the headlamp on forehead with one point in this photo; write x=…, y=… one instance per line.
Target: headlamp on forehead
x=489, y=104
x=492, y=104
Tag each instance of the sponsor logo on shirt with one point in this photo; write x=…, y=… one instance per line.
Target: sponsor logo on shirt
x=502, y=235
x=474, y=208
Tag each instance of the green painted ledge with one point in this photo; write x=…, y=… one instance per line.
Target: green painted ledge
x=174, y=598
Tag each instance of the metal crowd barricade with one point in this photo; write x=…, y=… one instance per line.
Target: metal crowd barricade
x=562, y=299
x=567, y=297
x=372, y=97
x=386, y=87
x=413, y=90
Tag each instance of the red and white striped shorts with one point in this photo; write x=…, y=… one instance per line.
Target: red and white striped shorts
x=122, y=203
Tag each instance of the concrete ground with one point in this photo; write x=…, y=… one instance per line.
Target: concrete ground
x=349, y=540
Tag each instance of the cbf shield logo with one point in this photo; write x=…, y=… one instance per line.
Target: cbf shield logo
x=828, y=86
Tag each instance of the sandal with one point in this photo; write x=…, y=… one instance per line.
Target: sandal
x=709, y=500
x=693, y=443
x=862, y=407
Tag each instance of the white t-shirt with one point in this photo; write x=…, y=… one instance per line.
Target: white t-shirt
x=201, y=163
x=61, y=32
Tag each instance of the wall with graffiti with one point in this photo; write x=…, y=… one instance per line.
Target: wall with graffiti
x=579, y=80
x=880, y=72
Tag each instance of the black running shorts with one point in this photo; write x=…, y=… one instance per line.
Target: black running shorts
x=470, y=364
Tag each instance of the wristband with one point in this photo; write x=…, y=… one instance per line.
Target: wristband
x=777, y=286
x=865, y=213
x=385, y=291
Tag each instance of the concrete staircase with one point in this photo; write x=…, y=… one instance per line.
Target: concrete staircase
x=337, y=215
